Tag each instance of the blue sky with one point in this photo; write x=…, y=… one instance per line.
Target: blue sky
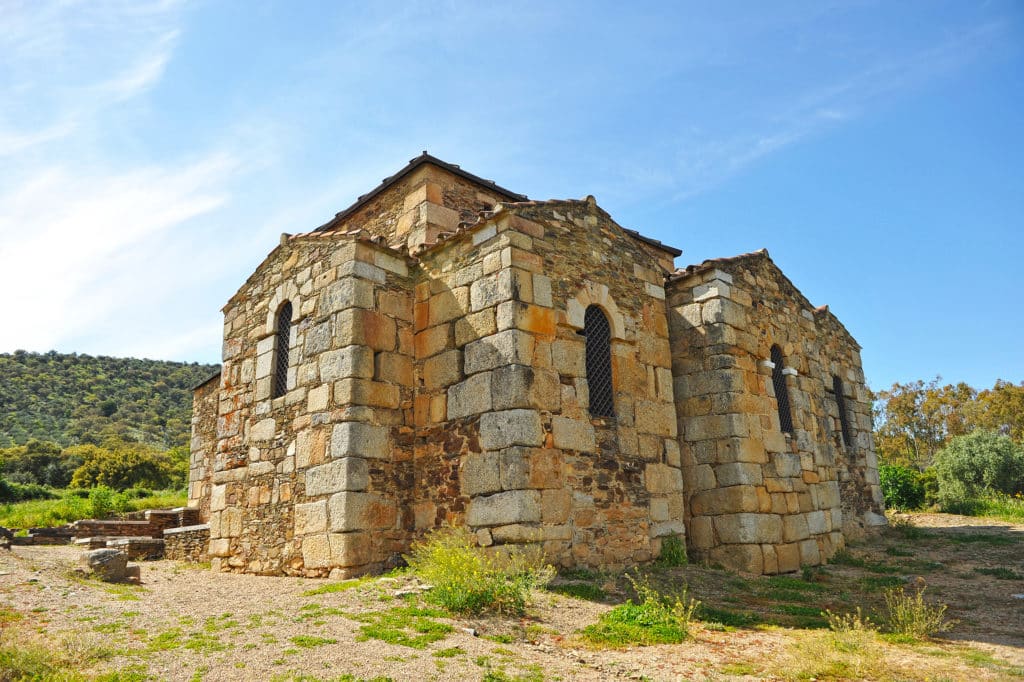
x=151, y=153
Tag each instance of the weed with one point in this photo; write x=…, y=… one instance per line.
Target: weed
x=850, y=631
x=166, y=640
x=737, y=669
x=450, y=652
x=409, y=626
x=1001, y=572
x=673, y=552
x=654, y=619
x=500, y=639
x=984, y=538
x=586, y=591
x=466, y=579
x=912, y=616
x=309, y=641
x=726, y=618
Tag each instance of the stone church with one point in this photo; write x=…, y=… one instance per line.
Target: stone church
x=446, y=351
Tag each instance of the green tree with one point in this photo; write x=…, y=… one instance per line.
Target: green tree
x=122, y=465
x=979, y=463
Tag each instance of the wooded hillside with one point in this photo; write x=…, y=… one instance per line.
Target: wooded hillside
x=71, y=399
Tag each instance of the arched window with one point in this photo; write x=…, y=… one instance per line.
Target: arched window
x=282, y=334
x=781, y=391
x=599, y=362
x=837, y=388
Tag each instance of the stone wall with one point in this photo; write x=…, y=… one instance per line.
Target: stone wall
x=203, y=446
x=188, y=543
x=758, y=498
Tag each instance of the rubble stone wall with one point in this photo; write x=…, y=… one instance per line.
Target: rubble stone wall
x=758, y=498
x=204, y=444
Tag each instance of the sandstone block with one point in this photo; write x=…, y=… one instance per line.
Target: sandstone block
x=788, y=556
x=532, y=318
x=263, y=430
x=345, y=473
x=738, y=473
x=369, y=393
x=542, y=290
x=700, y=477
x=220, y=547
x=231, y=522
x=504, y=429
x=491, y=290
x=515, y=506
x=432, y=341
x=316, y=551
x=514, y=468
x=749, y=528
x=674, y=527
x=656, y=417
x=311, y=518
x=479, y=474
x=318, y=398
x=816, y=523
x=469, y=397
x=785, y=465
x=745, y=558
x=366, y=328
x=517, y=534
x=794, y=528
x=702, y=532
x=661, y=479
x=809, y=554
x=475, y=326
x=348, y=292
x=357, y=439
x=659, y=509
x=568, y=357
x=395, y=368
x=715, y=427
x=351, y=511
x=109, y=565
x=448, y=305
x=555, y=506
x=736, y=498
x=545, y=469
x=509, y=347
x=442, y=370
x=523, y=386
x=218, y=497
x=573, y=434
x=351, y=361
x=350, y=549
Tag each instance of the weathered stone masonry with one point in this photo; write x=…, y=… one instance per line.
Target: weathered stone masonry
x=436, y=375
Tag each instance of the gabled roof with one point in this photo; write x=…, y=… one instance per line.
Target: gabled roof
x=413, y=164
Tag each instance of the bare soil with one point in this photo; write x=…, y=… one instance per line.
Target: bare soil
x=185, y=623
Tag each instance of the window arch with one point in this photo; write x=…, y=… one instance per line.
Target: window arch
x=844, y=423
x=282, y=334
x=599, y=362
x=781, y=391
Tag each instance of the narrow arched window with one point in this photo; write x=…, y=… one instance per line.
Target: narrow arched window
x=283, y=332
x=844, y=423
x=781, y=391
x=599, y=362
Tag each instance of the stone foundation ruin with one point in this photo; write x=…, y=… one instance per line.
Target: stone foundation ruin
x=446, y=351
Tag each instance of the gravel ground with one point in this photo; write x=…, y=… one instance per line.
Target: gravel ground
x=185, y=623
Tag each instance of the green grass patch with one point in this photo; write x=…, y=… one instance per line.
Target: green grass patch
x=1001, y=572
x=450, y=652
x=673, y=552
x=873, y=583
x=331, y=588
x=982, y=538
x=897, y=551
x=586, y=591
x=728, y=618
x=997, y=506
x=409, y=626
x=309, y=641
x=655, y=618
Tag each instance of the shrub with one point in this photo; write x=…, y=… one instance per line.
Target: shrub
x=19, y=492
x=902, y=487
x=101, y=501
x=653, y=619
x=978, y=464
x=467, y=579
x=850, y=631
x=911, y=616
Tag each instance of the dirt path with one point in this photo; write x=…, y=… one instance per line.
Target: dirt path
x=186, y=623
